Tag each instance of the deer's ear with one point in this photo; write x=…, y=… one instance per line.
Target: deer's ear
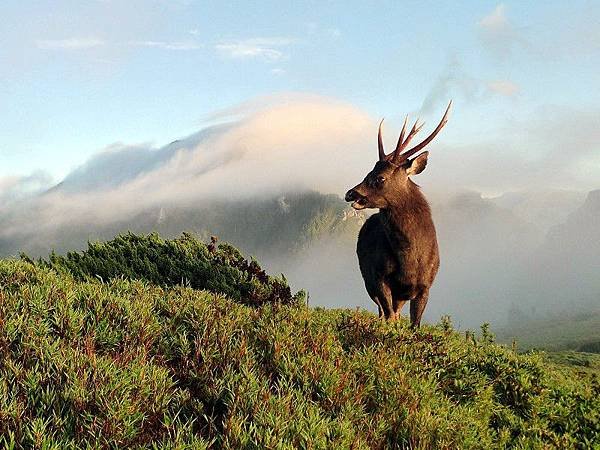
x=417, y=165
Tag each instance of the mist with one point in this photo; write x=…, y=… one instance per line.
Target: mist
x=516, y=225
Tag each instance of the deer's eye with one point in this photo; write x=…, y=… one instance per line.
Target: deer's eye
x=379, y=181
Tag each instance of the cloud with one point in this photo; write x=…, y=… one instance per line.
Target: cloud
x=267, y=49
x=78, y=43
x=455, y=81
x=496, y=21
x=274, y=149
x=285, y=143
x=92, y=42
x=546, y=38
x=280, y=144
x=498, y=35
x=547, y=151
x=168, y=45
x=503, y=87
x=257, y=104
x=13, y=188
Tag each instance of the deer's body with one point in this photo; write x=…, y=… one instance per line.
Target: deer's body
x=398, y=257
x=397, y=247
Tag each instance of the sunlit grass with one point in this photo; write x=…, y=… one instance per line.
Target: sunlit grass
x=128, y=363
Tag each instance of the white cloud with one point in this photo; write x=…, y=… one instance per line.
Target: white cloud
x=535, y=153
x=503, y=87
x=278, y=71
x=272, y=149
x=70, y=44
x=498, y=34
x=14, y=188
x=166, y=45
x=92, y=42
x=268, y=49
x=298, y=142
x=496, y=20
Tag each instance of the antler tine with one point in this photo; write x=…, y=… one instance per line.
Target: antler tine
x=404, y=156
x=402, y=133
x=397, y=155
x=380, y=143
x=413, y=132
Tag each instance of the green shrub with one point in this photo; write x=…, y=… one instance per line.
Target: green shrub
x=182, y=261
x=130, y=364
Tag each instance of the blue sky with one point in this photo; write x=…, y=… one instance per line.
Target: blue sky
x=77, y=76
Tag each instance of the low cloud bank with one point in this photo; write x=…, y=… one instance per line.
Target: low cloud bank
x=490, y=247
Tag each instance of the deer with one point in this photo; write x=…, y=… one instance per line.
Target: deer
x=397, y=247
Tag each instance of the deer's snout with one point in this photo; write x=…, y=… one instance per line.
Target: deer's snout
x=351, y=195
x=358, y=200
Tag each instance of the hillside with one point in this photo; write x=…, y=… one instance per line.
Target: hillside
x=568, y=331
x=566, y=264
x=127, y=363
x=264, y=226
x=545, y=208
x=492, y=259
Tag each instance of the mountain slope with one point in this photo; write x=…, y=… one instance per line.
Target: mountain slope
x=262, y=226
x=545, y=209
x=492, y=259
x=130, y=364
x=567, y=264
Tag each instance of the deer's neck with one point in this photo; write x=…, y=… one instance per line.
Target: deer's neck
x=410, y=213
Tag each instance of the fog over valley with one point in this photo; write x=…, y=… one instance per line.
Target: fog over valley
x=518, y=222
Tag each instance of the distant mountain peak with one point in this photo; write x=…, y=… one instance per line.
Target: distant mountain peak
x=593, y=198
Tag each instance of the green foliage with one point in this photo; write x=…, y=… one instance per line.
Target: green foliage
x=129, y=364
x=182, y=261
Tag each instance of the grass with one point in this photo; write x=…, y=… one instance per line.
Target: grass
x=125, y=363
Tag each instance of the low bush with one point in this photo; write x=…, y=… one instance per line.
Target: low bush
x=185, y=261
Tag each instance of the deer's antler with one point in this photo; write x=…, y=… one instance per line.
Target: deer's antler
x=404, y=143
x=397, y=157
x=382, y=155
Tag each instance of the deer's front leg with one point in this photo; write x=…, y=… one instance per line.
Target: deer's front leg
x=417, y=306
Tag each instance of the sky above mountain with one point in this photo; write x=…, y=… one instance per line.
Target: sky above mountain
x=81, y=79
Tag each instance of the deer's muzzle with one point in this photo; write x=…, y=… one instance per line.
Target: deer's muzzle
x=351, y=195
x=358, y=201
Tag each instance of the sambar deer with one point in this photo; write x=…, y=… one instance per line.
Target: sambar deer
x=397, y=247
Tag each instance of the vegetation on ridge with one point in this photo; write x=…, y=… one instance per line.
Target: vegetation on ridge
x=125, y=363
x=219, y=268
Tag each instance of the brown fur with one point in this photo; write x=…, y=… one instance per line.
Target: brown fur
x=397, y=247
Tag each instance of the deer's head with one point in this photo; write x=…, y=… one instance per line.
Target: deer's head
x=385, y=184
